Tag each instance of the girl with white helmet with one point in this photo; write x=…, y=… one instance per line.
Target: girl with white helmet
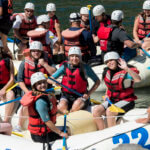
x=42, y=111
x=84, y=13
x=23, y=23
x=31, y=64
x=119, y=79
x=142, y=26
x=75, y=74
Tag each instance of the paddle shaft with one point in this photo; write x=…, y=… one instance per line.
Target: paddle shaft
x=12, y=87
x=90, y=18
x=109, y=101
x=64, y=139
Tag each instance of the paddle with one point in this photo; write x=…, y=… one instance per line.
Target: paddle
x=11, y=87
x=73, y=91
x=18, y=134
x=90, y=19
x=64, y=139
x=114, y=108
x=17, y=99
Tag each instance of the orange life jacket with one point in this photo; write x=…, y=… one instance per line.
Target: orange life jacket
x=36, y=35
x=36, y=125
x=31, y=68
x=74, y=79
x=115, y=88
x=4, y=72
x=72, y=38
x=143, y=27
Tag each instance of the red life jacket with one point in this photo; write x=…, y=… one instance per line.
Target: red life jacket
x=10, y=6
x=36, y=35
x=116, y=90
x=52, y=22
x=106, y=23
x=104, y=34
x=4, y=72
x=74, y=79
x=72, y=38
x=143, y=27
x=26, y=24
x=36, y=125
x=31, y=68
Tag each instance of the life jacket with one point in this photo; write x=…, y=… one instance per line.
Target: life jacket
x=31, y=68
x=105, y=23
x=36, y=35
x=115, y=88
x=72, y=38
x=52, y=24
x=143, y=27
x=36, y=125
x=106, y=43
x=26, y=24
x=4, y=72
x=74, y=79
x=10, y=6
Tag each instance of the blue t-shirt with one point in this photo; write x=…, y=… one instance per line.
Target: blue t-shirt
x=88, y=71
x=42, y=108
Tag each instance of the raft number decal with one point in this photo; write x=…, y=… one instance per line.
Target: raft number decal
x=135, y=134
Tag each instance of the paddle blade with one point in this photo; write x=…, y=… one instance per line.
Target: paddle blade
x=95, y=101
x=114, y=108
x=148, y=68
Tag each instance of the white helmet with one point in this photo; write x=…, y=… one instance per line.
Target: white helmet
x=1, y=44
x=117, y=15
x=74, y=17
x=111, y=55
x=42, y=18
x=29, y=6
x=146, y=5
x=50, y=7
x=74, y=50
x=36, y=45
x=36, y=77
x=98, y=10
x=84, y=11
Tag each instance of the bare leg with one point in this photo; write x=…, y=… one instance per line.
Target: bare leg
x=111, y=121
x=5, y=128
x=63, y=106
x=9, y=107
x=77, y=105
x=23, y=113
x=21, y=47
x=98, y=111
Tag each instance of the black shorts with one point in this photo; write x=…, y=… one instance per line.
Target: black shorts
x=71, y=98
x=5, y=26
x=51, y=136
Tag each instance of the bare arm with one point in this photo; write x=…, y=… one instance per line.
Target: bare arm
x=1, y=11
x=58, y=31
x=23, y=87
x=135, y=29
x=131, y=44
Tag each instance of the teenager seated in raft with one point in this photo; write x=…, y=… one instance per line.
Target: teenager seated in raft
x=42, y=110
x=75, y=74
x=119, y=79
x=142, y=28
x=7, y=81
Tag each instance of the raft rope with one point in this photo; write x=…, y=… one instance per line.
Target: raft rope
x=102, y=117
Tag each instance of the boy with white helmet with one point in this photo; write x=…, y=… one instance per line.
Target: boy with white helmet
x=100, y=19
x=33, y=63
x=119, y=79
x=113, y=38
x=6, y=10
x=43, y=105
x=76, y=36
x=84, y=13
x=75, y=74
x=47, y=38
x=142, y=26
x=24, y=22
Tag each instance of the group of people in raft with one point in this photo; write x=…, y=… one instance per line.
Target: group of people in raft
x=42, y=43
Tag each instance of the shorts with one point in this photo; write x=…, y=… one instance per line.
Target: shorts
x=51, y=136
x=125, y=105
x=5, y=26
x=70, y=98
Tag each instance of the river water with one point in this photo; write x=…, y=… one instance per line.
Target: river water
x=130, y=7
